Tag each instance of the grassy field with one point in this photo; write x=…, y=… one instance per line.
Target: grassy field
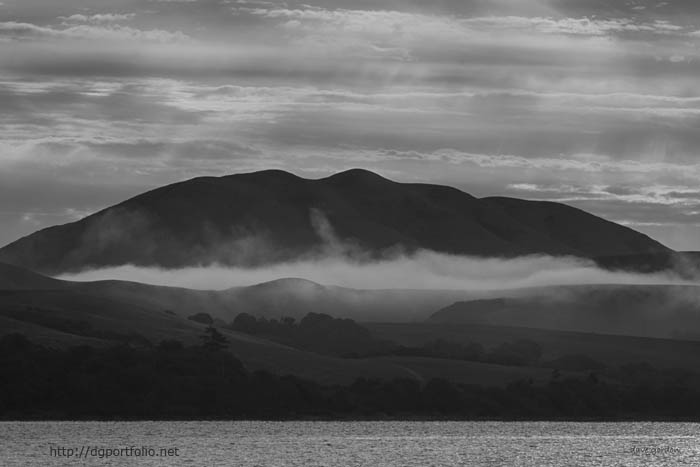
x=60, y=318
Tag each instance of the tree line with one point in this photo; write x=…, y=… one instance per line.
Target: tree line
x=323, y=334
x=171, y=381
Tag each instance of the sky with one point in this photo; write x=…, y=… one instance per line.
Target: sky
x=588, y=102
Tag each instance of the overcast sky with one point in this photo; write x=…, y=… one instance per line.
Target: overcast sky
x=568, y=100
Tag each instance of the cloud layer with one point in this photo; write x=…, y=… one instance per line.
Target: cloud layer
x=596, y=104
x=422, y=270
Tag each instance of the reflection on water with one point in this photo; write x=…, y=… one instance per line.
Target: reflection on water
x=309, y=444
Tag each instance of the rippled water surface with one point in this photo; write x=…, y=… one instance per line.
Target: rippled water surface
x=309, y=444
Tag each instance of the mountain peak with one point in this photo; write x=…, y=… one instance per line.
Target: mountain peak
x=357, y=176
x=269, y=174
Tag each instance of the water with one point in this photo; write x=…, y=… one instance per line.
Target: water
x=372, y=444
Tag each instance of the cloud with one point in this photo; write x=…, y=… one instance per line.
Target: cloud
x=397, y=22
x=679, y=196
x=98, y=18
x=422, y=270
x=411, y=32
x=109, y=32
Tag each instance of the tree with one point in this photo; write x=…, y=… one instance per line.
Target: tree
x=288, y=321
x=246, y=323
x=213, y=340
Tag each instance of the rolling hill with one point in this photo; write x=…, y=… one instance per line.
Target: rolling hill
x=61, y=314
x=283, y=297
x=663, y=311
x=272, y=216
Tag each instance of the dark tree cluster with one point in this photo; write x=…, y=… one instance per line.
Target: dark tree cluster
x=171, y=381
x=323, y=334
x=315, y=332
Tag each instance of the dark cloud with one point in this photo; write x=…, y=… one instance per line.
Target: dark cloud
x=71, y=102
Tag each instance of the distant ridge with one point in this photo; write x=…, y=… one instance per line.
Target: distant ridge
x=662, y=311
x=270, y=216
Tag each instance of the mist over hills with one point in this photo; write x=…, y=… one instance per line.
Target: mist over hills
x=60, y=314
x=273, y=216
x=280, y=298
x=660, y=311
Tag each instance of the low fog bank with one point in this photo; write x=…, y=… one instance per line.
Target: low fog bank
x=421, y=270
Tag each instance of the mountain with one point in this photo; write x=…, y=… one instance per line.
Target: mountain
x=265, y=217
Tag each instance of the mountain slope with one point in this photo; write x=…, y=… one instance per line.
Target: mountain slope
x=17, y=278
x=571, y=226
x=271, y=216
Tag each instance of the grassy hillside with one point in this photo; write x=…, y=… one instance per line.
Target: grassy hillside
x=609, y=349
x=60, y=314
x=61, y=319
